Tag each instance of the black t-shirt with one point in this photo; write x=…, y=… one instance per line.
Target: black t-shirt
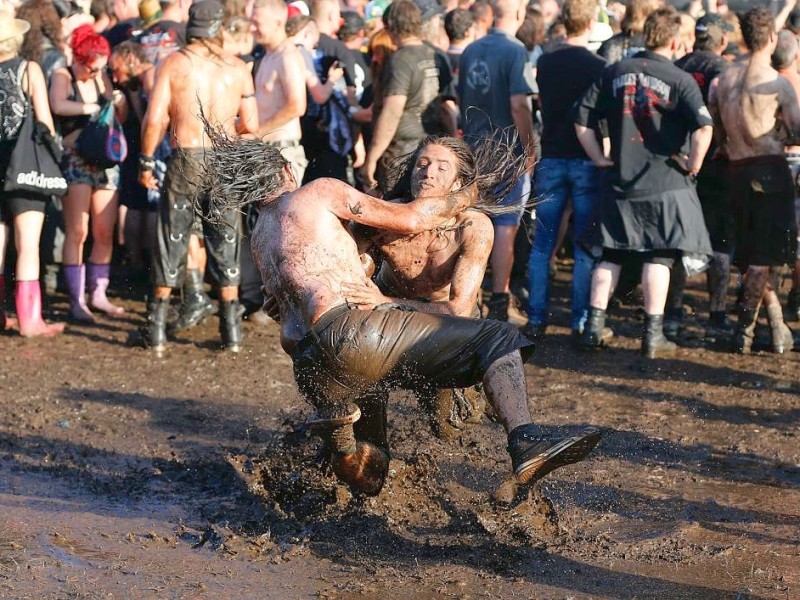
x=332, y=49
x=411, y=71
x=704, y=66
x=620, y=46
x=651, y=107
x=363, y=76
x=563, y=76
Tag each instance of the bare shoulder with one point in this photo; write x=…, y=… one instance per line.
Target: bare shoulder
x=477, y=230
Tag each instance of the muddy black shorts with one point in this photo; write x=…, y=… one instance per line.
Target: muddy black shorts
x=177, y=216
x=762, y=198
x=351, y=352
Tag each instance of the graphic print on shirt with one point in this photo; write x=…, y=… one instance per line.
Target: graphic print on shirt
x=643, y=97
x=479, y=78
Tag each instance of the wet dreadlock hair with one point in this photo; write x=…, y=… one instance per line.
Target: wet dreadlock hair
x=493, y=165
x=238, y=173
x=241, y=172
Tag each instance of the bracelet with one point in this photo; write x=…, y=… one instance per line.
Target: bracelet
x=147, y=163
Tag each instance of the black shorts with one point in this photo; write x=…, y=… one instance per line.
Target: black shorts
x=351, y=352
x=762, y=198
x=631, y=257
x=177, y=217
x=714, y=193
x=12, y=205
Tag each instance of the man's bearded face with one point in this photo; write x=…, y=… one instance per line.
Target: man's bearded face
x=435, y=172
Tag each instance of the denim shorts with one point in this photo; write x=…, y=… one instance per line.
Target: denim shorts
x=76, y=170
x=518, y=197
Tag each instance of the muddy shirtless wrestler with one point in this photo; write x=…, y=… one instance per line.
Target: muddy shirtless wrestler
x=309, y=260
x=756, y=115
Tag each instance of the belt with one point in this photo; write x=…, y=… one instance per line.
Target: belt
x=284, y=144
x=329, y=317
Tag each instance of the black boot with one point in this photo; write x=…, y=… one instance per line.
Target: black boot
x=595, y=333
x=230, y=324
x=196, y=304
x=782, y=338
x=745, y=331
x=654, y=342
x=154, y=332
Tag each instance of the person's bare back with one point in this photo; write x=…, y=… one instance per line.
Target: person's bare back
x=200, y=75
x=756, y=108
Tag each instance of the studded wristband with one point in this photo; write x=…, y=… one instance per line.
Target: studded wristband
x=147, y=163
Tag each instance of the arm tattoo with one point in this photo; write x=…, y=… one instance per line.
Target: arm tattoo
x=355, y=208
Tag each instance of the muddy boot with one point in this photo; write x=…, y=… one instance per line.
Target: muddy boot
x=75, y=276
x=97, y=281
x=595, y=333
x=230, y=325
x=154, y=332
x=782, y=338
x=654, y=342
x=196, y=305
x=504, y=307
x=745, y=331
x=793, y=305
x=29, y=311
x=361, y=465
x=534, y=456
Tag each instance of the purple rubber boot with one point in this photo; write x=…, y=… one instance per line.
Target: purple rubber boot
x=98, y=280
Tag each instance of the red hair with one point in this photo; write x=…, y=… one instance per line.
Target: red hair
x=87, y=45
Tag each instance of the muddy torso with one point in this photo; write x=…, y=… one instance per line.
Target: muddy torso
x=305, y=256
x=749, y=106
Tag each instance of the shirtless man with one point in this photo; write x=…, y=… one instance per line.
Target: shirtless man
x=200, y=75
x=310, y=262
x=757, y=114
x=280, y=84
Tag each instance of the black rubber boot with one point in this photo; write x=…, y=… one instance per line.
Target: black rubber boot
x=782, y=338
x=230, y=325
x=595, y=333
x=654, y=342
x=154, y=332
x=745, y=331
x=196, y=305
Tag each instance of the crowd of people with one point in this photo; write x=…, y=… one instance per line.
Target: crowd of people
x=664, y=143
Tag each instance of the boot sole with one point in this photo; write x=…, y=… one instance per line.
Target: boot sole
x=568, y=451
x=354, y=414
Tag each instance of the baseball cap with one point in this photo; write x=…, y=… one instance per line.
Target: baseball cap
x=429, y=8
x=352, y=23
x=205, y=19
x=375, y=9
x=710, y=20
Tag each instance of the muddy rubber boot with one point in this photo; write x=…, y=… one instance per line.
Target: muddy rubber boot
x=98, y=279
x=654, y=343
x=75, y=276
x=230, y=325
x=782, y=338
x=595, y=333
x=29, y=311
x=504, y=307
x=673, y=323
x=196, y=305
x=154, y=332
x=745, y=331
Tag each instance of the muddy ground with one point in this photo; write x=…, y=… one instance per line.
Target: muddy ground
x=192, y=476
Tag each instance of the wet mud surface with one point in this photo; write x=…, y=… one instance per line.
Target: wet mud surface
x=193, y=476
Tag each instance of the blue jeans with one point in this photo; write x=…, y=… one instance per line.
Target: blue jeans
x=557, y=181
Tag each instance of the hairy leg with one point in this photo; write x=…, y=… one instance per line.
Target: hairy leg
x=504, y=383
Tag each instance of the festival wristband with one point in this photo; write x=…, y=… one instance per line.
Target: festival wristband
x=147, y=163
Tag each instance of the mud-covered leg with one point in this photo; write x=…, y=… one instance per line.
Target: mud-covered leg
x=371, y=427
